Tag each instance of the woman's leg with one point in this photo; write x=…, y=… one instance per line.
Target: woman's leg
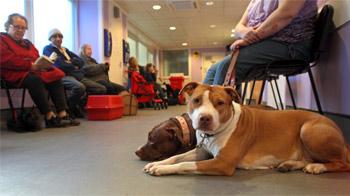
x=216, y=73
x=57, y=95
x=266, y=51
x=38, y=93
x=77, y=92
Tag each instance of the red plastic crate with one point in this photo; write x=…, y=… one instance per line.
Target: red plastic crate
x=104, y=107
x=176, y=82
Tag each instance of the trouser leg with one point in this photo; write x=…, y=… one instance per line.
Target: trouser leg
x=57, y=94
x=38, y=92
x=93, y=88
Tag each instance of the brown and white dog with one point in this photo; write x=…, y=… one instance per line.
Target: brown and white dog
x=173, y=136
x=232, y=136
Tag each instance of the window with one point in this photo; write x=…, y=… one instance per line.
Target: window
x=132, y=45
x=10, y=7
x=49, y=14
x=142, y=54
x=175, y=61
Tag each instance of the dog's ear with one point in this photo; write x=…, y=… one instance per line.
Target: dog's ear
x=189, y=88
x=233, y=93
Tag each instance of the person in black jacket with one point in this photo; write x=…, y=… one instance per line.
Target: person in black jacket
x=74, y=81
x=150, y=75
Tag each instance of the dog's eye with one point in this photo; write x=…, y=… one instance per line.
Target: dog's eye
x=220, y=102
x=196, y=100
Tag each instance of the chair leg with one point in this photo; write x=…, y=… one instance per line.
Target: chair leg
x=261, y=91
x=315, y=92
x=291, y=93
x=278, y=93
x=251, y=92
x=274, y=95
x=244, y=91
x=13, y=109
x=23, y=98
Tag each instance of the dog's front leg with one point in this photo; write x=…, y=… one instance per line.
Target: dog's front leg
x=167, y=166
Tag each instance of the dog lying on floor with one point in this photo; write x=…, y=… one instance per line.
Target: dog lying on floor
x=232, y=136
x=171, y=137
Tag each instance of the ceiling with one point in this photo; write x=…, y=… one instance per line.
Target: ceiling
x=192, y=19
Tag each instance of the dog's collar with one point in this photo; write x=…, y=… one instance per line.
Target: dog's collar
x=185, y=129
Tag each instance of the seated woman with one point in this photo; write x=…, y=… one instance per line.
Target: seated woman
x=150, y=75
x=18, y=68
x=269, y=30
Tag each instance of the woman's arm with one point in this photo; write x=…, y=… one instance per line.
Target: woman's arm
x=280, y=18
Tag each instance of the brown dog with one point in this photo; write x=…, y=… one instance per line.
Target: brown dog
x=171, y=137
x=233, y=136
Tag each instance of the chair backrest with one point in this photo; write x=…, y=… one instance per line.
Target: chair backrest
x=324, y=26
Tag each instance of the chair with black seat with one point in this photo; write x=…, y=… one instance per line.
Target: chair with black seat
x=7, y=87
x=271, y=71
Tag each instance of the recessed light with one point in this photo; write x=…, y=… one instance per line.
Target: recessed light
x=232, y=35
x=209, y=3
x=157, y=7
x=233, y=30
x=215, y=43
x=212, y=26
x=184, y=44
x=172, y=28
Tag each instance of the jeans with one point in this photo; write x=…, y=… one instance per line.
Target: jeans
x=260, y=53
x=217, y=72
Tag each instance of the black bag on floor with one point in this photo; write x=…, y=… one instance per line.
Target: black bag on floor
x=27, y=121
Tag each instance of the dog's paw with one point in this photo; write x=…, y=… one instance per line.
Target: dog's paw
x=160, y=170
x=315, y=168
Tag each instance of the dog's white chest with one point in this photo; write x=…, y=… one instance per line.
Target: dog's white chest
x=213, y=144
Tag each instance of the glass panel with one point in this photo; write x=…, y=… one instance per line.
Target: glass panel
x=132, y=44
x=10, y=7
x=49, y=14
x=175, y=61
x=142, y=54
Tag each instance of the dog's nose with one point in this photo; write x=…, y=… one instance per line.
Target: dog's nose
x=206, y=119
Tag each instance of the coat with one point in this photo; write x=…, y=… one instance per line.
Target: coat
x=72, y=68
x=16, y=59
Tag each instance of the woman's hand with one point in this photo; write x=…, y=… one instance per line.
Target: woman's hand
x=248, y=33
x=239, y=43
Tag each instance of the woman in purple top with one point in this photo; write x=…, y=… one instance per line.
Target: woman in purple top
x=269, y=30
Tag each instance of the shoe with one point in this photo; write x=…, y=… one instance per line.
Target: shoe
x=77, y=112
x=54, y=122
x=70, y=121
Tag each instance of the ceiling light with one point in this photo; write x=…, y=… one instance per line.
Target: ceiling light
x=172, y=28
x=209, y=3
x=157, y=7
x=215, y=43
x=232, y=35
x=184, y=44
x=233, y=30
x=212, y=26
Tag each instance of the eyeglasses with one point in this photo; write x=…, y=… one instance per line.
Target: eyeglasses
x=57, y=35
x=17, y=27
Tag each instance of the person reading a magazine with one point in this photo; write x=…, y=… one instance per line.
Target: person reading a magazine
x=18, y=68
x=74, y=81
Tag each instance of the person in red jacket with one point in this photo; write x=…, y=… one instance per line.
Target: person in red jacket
x=17, y=57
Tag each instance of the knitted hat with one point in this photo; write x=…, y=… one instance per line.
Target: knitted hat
x=54, y=32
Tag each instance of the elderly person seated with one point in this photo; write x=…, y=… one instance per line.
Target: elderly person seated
x=98, y=72
x=74, y=81
x=18, y=67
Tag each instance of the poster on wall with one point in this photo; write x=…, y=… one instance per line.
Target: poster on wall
x=107, y=43
x=126, y=52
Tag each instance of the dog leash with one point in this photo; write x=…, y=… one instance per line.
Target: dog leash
x=230, y=77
